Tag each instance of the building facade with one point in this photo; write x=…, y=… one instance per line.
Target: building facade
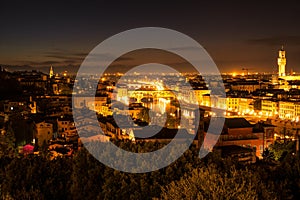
x=44, y=133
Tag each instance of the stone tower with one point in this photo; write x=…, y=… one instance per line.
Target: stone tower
x=51, y=73
x=281, y=62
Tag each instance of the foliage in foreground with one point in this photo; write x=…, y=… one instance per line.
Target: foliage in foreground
x=83, y=177
x=212, y=183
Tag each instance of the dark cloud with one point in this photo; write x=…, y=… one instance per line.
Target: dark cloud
x=125, y=58
x=275, y=40
x=50, y=62
x=77, y=57
x=69, y=57
x=80, y=54
x=68, y=60
x=65, y=55
x=190, y=48
x=74, y=62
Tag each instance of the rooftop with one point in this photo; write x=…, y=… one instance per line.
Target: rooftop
x=237, y=123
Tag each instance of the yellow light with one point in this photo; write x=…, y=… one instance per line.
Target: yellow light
x=234, y=74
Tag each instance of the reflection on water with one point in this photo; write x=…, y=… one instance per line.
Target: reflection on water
x=158, y=106
x=162, y=112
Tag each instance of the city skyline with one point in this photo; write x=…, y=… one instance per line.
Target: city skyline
x=235, y=36
x=149, y=100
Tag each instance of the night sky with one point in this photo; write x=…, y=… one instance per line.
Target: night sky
x=236, y=34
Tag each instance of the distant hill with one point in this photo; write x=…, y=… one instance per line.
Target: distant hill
x=72, y=69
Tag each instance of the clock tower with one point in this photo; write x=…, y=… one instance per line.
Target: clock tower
x=281, y=62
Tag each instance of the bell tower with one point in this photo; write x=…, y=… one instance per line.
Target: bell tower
x=281, y=62
x=51, y=73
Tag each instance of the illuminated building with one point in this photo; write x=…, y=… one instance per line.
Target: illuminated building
x=156, y=94
x=56, y=89
x=92, y=103
x=32, y=79
x=105, y=110
x=122, y=94
x=283, y=78
x=218, y=101
x=51, y=73
x=65, y=127
x=32, y=106
x=232, y=103
x=281, y=62
x=206, y=100
x=238, y=131
x=11, y=106
x=44, y=133
x=199, y=95
x=269, y=107
x=249, y=86
x=187, y=95
x=245, y=105
x=289, y=110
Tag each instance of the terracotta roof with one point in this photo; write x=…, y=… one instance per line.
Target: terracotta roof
x=237, y=123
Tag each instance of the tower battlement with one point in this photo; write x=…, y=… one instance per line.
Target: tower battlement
x=281, y=62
